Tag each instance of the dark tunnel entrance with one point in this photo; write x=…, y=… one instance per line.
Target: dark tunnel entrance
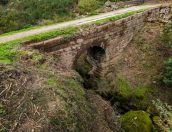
x=97, y=53
x=88, y=65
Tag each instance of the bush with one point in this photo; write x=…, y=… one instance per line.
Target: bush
x=85, y=6
x=20, y=14
x=9, y=20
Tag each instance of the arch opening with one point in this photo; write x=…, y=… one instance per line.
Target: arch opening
x=97, y=53
x=88, y=65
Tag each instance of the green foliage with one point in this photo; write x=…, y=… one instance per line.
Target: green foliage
x=129, y=95
x=43, y=36
x=85, y=6
x=127, y=91
x=136, y=121
x=9, y=20
x=8, y=52
x=89, y=6
x=20, y=14
x=52, y=82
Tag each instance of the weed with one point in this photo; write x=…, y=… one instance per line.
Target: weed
x=52, y=82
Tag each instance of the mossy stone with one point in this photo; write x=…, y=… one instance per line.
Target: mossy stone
x=136, y=121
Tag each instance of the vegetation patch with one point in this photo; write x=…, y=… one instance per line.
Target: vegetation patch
x=89, y=6
x=133, y=97
x=162, y=115
x=22, y=14
x=136, y=121
x=7, y=52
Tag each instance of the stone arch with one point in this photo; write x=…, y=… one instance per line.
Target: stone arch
x=89, y=59
x=92, y=48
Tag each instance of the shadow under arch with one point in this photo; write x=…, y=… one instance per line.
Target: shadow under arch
x=88, y=64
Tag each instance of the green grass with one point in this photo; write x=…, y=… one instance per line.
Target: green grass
x=117, y=17
x=8, y=51
x=52, y=82
x=43, y=36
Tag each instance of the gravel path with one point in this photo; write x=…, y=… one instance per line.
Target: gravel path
x=78, y=22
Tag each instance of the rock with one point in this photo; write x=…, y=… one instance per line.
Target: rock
x=136, y=121
x=108, y=4
x=79, y=41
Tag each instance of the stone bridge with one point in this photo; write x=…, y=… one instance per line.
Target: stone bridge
x=102, y=43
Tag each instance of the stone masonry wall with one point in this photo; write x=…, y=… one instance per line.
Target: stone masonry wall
x=112, y=36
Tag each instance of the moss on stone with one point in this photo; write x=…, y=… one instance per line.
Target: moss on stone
x=133, y=96
x=136, y=121
x=82, y=66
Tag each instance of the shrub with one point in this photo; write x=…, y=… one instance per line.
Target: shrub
x=85, y=6
x=25, y=13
